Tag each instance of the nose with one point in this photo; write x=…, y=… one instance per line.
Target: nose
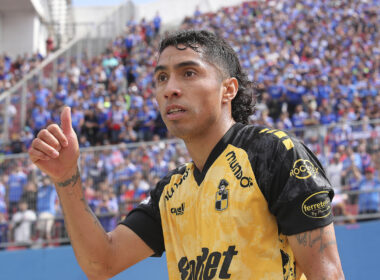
x=173, y=88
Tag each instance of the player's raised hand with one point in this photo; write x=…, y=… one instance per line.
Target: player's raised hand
x=55, y=150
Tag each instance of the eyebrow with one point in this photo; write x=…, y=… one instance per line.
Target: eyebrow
x=177, y=66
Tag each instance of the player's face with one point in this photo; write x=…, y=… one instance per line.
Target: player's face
x=188, y=92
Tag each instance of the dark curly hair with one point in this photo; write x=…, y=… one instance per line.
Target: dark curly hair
x=218, y=52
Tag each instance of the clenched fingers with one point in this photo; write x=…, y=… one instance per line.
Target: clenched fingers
x=49, y=138
x=57, y=132
x=36, y=155
x=40, y=150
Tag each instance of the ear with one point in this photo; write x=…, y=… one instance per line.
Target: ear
x=230, y=89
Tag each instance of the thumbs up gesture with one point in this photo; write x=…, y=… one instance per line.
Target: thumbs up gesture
x=55, y=150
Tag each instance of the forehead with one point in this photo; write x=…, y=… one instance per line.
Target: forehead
x=173, y=55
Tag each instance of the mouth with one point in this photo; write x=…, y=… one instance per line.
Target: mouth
x=175, y=112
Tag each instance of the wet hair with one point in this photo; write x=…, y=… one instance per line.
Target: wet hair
x=218, y=52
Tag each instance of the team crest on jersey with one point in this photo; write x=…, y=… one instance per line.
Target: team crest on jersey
x=221, y=197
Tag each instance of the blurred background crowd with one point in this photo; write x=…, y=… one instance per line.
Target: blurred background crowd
x=317, y=69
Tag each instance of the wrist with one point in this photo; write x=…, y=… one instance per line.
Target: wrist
x=69, y=179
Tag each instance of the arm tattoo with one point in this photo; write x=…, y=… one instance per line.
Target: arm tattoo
x=302, y=238
x=94, y=217
x=88, y=209
x=311, y=238
x=72, y=181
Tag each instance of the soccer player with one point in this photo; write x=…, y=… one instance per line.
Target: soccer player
x=253, y=204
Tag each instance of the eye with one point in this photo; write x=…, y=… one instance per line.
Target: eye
x=189, y=73
x=161, y=77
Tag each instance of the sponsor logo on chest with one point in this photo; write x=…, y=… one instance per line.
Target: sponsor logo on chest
x=178, y=210
x=169, y=193
x=236, y=168
x=206, y=265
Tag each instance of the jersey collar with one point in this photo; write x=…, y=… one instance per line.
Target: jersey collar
x=216, y=151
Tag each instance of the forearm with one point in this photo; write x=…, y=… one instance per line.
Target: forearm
x=316, y=253
x=88, y=238
x=55, y=151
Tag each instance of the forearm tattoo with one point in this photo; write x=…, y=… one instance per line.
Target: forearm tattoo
x=321, y=238
x=94, y=218
x=71, y=181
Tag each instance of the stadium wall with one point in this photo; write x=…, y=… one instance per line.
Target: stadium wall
x=1, y=31
x=86, y=17
x=358, y=244
x=22, y=28
x=18, y=31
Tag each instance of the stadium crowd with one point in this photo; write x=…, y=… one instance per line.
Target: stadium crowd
x=13, y=70
x=316, y=64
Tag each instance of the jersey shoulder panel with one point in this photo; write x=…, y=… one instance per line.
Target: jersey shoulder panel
x=266, y=149
x=290, y=177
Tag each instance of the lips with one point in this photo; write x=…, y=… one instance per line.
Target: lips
x=174, y=111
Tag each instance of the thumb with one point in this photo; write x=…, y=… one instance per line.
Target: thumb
x=66, y=120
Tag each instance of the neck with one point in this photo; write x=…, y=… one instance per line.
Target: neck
x=200, y=146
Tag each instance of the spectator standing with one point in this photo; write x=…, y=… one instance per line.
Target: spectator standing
x=22, y=223
x=140, y=185
x=146, y=121
x=129, y=135
x=119, y=116
x=16, y=183
x=90, y=128
x=30, y=195
x=364, y=156
x=284, y=123
x=157, y=24
x=327, y=115
x=298, y=120
x=106, y=209
x=3, y=203
x=3, y=228
x=40, y=119
x=46, y=200
x=3, y=213
x=353, y=158
x=369, y=201
x=78, y=120
x=135, y=192
x=334, y=174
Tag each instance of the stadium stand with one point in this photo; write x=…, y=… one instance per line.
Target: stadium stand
x=13, y=70
x=316, y=64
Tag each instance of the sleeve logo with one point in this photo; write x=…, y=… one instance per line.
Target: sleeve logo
x=303, y=169
x=317, y=205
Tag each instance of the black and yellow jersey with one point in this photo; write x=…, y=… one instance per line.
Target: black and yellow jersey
x=231, y=220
